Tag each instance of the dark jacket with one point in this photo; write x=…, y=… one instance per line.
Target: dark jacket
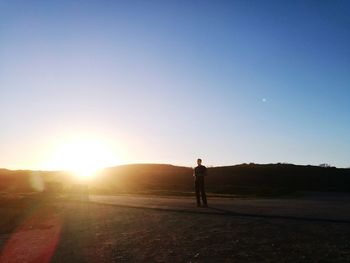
x=200, y=170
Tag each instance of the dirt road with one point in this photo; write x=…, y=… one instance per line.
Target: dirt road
x=307, y=206
x=312, y=228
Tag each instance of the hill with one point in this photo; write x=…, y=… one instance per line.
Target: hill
x=157, y=178
x=244, y=178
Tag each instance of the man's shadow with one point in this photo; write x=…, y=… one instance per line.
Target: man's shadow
x=226, y=212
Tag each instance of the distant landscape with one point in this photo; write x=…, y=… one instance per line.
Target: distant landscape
x=164, y=179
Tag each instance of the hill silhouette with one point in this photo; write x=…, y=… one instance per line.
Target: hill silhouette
x=244, y=178
x=157, y=178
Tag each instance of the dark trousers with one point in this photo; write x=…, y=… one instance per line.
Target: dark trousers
x=200, y=190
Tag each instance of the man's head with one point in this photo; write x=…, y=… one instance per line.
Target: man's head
x=199, y=161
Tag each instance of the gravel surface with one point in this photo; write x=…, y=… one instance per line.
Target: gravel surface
x=71, y=231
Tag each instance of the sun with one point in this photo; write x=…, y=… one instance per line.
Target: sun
x=83, y=157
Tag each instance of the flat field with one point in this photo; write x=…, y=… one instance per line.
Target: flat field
x=144, y=229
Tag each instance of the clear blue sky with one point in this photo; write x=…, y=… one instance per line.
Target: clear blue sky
x=170, y=81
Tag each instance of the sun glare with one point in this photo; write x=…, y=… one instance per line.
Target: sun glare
x=83, y=157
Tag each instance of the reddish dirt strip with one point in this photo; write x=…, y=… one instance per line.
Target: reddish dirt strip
x=35, y=240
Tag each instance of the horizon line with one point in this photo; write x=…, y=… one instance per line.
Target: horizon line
x=177, y=165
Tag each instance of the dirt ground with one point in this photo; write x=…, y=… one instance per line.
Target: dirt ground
x=86, y=232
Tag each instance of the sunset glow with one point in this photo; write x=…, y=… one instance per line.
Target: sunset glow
x=83, y=157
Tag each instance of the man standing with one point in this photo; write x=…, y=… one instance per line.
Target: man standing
x=199, y=173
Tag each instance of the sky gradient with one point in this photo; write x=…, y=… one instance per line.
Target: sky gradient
x=170, y=81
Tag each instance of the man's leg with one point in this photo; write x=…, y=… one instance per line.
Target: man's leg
x=203, y=194
x=197, y=188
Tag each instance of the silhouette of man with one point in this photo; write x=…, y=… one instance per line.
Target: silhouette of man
x=199, y=173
